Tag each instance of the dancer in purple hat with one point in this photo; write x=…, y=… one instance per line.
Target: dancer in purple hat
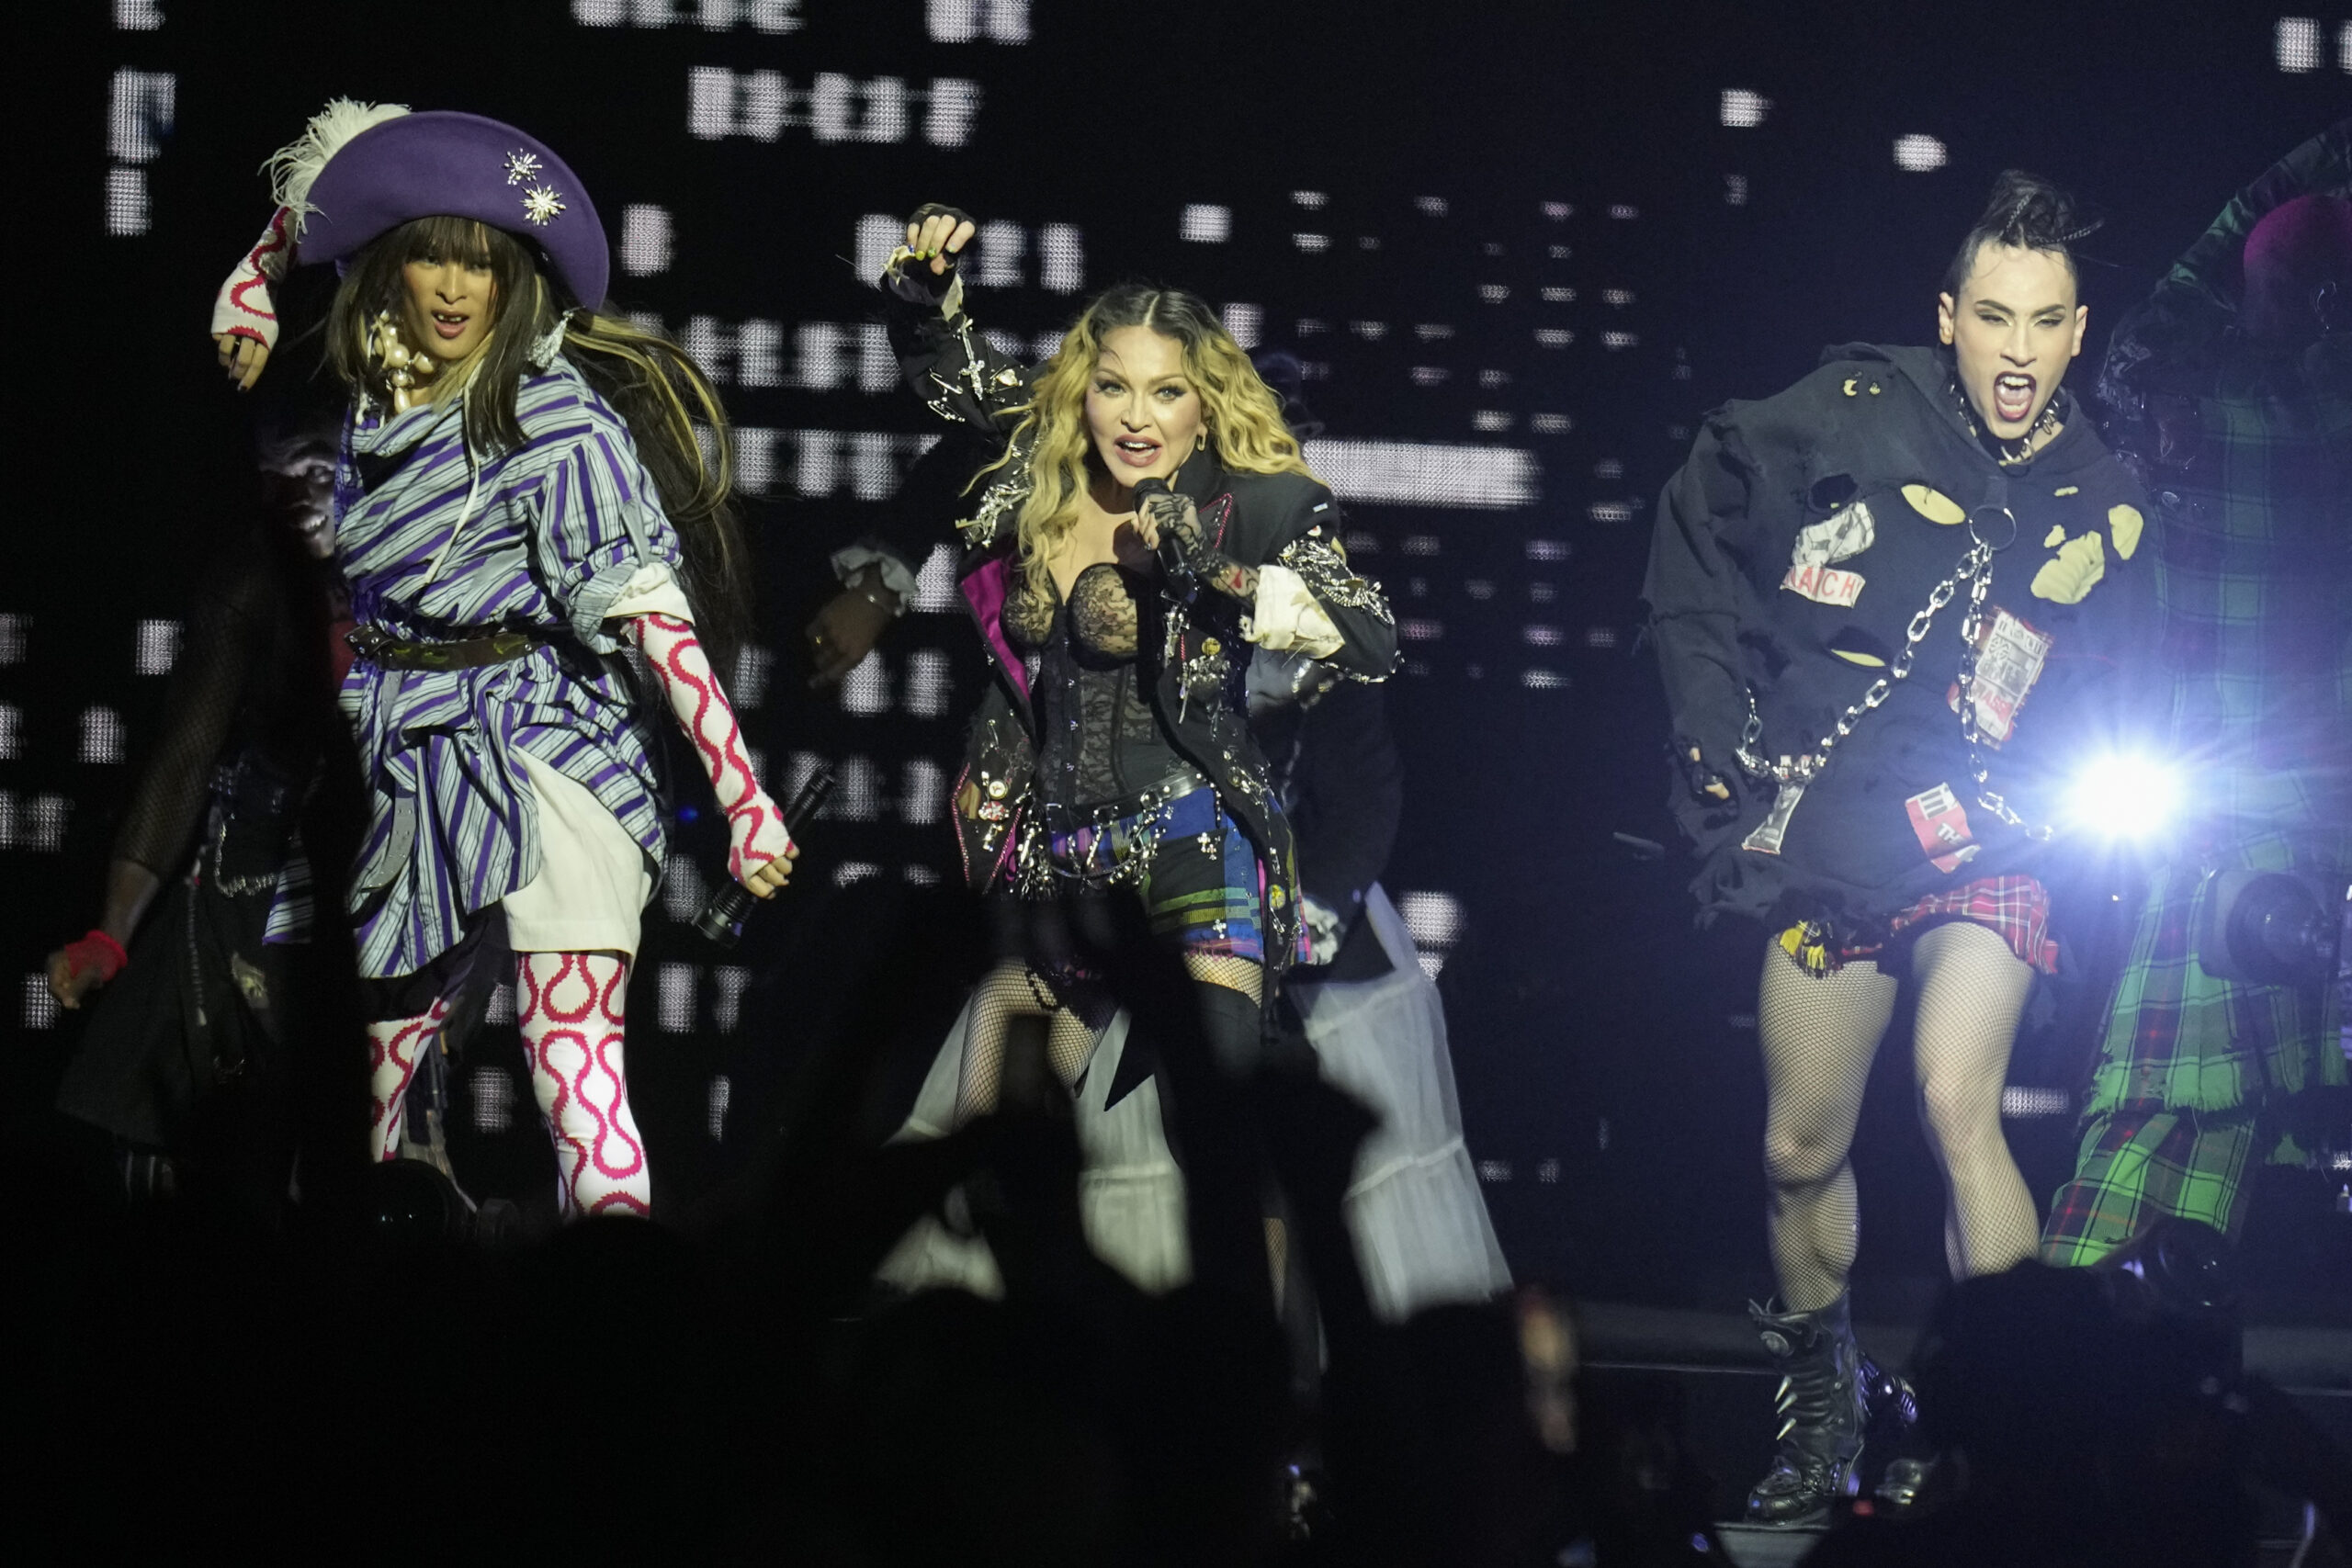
x=521, y=494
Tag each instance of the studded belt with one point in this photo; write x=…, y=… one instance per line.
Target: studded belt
x=380, y=647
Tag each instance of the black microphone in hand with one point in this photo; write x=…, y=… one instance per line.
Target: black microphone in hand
x=721, y=920
x=1173, y=564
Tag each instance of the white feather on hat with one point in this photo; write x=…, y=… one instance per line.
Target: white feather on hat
x=295, y=166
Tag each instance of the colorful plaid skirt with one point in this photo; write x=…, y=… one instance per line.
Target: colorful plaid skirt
x=1200, y=878
x=2015, y=909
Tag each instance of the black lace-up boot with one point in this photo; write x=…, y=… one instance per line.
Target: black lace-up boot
x=1822, y=1411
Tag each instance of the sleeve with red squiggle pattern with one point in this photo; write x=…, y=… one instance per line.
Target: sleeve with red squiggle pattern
x=755, y=830
x=243, y=307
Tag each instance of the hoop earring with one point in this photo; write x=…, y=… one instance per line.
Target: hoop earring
x=1200, y=442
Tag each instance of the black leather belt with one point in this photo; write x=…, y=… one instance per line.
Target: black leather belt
x=380, y=647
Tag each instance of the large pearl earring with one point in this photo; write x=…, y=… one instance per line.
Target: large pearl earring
x=404, y=367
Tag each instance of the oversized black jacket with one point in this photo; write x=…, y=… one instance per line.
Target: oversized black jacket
x=1795, y=551
x=1194, y=660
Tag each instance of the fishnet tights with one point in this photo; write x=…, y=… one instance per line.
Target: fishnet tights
x=1819, y=1035
x=1075, y=1021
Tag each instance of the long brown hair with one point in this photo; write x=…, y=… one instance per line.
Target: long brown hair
x=673, y=411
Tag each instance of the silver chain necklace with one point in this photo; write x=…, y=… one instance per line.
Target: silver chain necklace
x=1975, y=569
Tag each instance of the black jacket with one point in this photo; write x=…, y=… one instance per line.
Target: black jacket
x=1194, y=657
x=1793, y=554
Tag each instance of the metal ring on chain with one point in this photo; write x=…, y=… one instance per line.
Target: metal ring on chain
x=1981, y=539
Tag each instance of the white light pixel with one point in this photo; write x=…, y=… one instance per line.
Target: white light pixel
x=1363, y=544
x=1610, y=512
x=1743, y=109
x=673, y=998
x=1558, y=252
x=1431, y=206
x=723, y=1090
x=996, y=259
x=1554, y=337
x=126, y=201
x=645, y=239
x=1061, y=259
x=728, y=984
x=1551, y=423
x=2297, y=44
x=936, y=583
x=820, y=462
x=492, y=1093
x=1203, y=223
x=13, y=631
x=501, y=1007
x=1432, y=332
x=683, y=892
x=12, y=732
x=1429, y=375
x=139, y=115
x=1494, y=293
x=1918, y=153
x=928, y=685
x=1615, y=341
x=1313, y=200
x=1559, y=211
x=1246, y=322
x=155, y=645
x=1542, y=592
x=1547, y=550
x=1367, y=241
x=748, y=688
x=1048, y=343
x=1489, y=1169
x=1559, y=294
x=2344, y=46
x=1434, y=922
x=1371, y=332
x=955, y=105
x=841, y=109
x=865, y=690
x=1547, y=1170
x=850, y=871
x=1401, y=473
x=40, y=1007
x=102, y=736
x=1624, y=212
x=1735, y=190
x=920, y=876
x=138, y=15
x=1619, y=297
x=1478, y=587
x=1601, y=636
x=922, y=792
x=1313, y=245
x=1543, y=680
x=859, y=796
x=1540, y=636
x=1420, y=545
x=970, y=21
x=877, y=235
x=1494, y=377
x=712, y=16
x=2023, y=1101
x=1490, y=420
x=1413, y=629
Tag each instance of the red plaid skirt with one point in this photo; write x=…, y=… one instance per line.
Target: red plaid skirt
x=2017, y=908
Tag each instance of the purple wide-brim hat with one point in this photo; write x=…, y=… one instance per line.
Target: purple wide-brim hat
x=422, y=166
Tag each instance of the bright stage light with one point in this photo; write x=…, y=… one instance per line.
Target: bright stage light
x=2124, y=795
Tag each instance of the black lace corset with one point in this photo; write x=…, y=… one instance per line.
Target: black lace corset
x=1099, y=739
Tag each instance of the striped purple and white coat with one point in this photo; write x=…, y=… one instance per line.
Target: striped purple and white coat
x=553, y=531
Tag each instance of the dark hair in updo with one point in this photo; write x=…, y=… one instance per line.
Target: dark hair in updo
x=2028, y=212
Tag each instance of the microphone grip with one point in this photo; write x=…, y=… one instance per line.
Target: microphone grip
x=722, y=917
x=1181, y=580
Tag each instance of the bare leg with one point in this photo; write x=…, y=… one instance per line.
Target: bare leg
x=1973, y=991
x=1818, y=1034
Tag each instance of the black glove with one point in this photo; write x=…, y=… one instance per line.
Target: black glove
x=911, y=279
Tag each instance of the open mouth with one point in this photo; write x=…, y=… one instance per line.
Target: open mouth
x=448, y=327
x=1137, y=452
x=2012, y=398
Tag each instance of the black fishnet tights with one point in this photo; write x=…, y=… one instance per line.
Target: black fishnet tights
x=1819, y=1034
x=1075, y=1020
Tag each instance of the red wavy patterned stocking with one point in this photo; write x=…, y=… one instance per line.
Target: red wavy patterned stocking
x=572, y=1008
x=394, y=1047
x=755, y=831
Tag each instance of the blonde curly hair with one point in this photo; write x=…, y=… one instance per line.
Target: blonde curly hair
x=1244, y=415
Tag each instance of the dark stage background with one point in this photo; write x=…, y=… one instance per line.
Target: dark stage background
x=1518, y=250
